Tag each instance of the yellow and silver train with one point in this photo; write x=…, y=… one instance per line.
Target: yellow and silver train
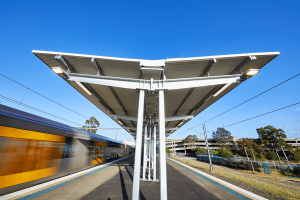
x=34, y=150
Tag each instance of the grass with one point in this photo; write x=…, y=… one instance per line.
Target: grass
x=269, y=187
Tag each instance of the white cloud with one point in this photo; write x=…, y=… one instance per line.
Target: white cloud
x=297, y=109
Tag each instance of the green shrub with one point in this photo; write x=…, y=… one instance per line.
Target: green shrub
x=225, y=153
x=199, y=150
x=282, y=171
x=296, y=157
x=212, y=151
x=272, y=155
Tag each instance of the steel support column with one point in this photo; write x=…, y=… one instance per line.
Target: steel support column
x=152, y=151
x=149, y=153
x=162, y=148
x=138, y=148
x=154, y=154
x=145, y=153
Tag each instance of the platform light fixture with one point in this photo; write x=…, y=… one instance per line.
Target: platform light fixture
x=249, y=73
x=57, y=70
x=83, y=87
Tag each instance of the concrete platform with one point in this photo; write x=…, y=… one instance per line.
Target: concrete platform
x=115, y=182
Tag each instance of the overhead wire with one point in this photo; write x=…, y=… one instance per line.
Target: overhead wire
x=263, y=114
x=33, y=108
x=43, y=96
x=249, y=100
x=250, y=117
x=245, y=102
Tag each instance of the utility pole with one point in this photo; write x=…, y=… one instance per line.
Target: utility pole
x=208, y=152
x=253, y=154
x=278, y=158
x=285, y=156
x=250, y=160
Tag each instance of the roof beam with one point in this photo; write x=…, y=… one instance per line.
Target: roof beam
x=167, y=129
x=211, y=64
x=238, y=69
x=65, y=64
x=176, y=118
x=167, y=119
x=99, y=73
x=60, y=59
x=244, y=64
x=123, y=117
x=170, y=84
x=206, y=72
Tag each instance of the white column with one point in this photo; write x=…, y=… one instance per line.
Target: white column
x=149, y=153
x=152, y=151
x=162, y=148
x=138, y=148
x=145, y=153
x=154, y=154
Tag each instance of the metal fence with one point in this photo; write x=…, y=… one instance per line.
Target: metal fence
x=244, y=164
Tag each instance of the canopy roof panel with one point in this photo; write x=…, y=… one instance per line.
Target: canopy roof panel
x=181, y=102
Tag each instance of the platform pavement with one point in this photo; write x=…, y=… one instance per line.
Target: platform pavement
x=115, y=182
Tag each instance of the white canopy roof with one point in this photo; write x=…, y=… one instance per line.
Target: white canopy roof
x=121, y=104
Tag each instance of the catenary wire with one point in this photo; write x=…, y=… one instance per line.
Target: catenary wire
x=244, y=102
x=33, y=108
x=248, y=100
x=43, y=96
x=250, y=117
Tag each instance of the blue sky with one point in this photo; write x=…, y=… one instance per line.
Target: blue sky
x=154, y=30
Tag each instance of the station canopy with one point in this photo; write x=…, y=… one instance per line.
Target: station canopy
x=181, y=104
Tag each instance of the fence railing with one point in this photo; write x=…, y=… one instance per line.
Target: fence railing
x=245, y=164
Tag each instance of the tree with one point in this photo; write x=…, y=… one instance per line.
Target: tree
x=272, y=138
x=91, y=123
x=225, y=153
x=212, y=151
x=190, y=141
x=168, y=150
x=223, y=137
x=258, y=150
x=296, y=154
x=199, y=150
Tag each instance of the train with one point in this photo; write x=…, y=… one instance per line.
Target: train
x=34, y=150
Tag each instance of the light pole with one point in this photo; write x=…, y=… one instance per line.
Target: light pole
x=287, y=130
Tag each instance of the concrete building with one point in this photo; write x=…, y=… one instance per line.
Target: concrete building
x=180, y=147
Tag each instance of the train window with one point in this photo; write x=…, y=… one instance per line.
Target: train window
x=67, y=149
x=22, y=155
